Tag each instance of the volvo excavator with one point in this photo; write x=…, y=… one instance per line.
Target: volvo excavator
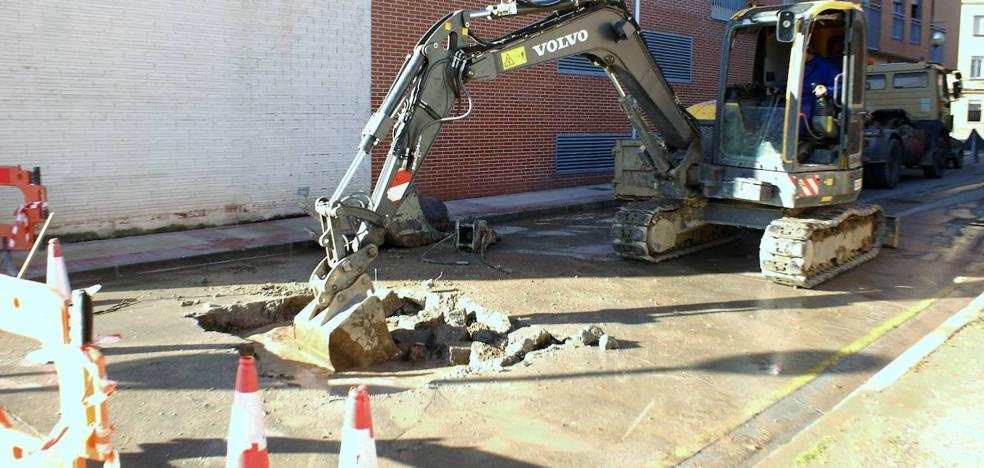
x=760, y=162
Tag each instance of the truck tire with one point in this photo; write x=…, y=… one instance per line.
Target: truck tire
x=886, y=175
x=935, y=171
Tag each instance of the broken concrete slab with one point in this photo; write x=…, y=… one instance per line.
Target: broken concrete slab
x=589, y=335
x=607, y=342
x=481, y=352
x=484, y=335
x=488, y=319
x=459, y=353
x=525, y=340
x=392, y=303
x=246, y=316
x=445, y=333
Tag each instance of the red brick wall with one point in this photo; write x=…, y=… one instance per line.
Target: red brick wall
x=508, y=144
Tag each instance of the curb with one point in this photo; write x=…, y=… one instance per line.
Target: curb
x=899, y=367
x=917, y=352
x=288, y=248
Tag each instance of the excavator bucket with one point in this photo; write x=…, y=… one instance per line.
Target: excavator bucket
x=354, y=337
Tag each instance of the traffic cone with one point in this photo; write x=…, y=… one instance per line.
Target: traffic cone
x=358, y=437
x=247, y=447
x=57, y=278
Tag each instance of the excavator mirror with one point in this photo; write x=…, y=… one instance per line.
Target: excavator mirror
x=786, y=27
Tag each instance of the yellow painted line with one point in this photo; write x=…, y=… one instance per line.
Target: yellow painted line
x=810, y=375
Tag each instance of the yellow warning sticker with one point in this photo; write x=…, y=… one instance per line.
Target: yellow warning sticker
x=513, y=58
x=829, y=182
x=826, y=199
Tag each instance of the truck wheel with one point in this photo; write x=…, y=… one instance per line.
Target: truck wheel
x=935, y=171
x=886, y=175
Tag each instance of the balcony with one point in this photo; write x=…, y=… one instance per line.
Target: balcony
x=723, y=10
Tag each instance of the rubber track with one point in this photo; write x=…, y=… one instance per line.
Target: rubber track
x=630, y=218
x=787, y=232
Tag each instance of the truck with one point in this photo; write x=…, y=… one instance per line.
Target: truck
x=909, y=121
x=765, y=164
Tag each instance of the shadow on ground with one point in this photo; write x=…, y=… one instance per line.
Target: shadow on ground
x=413, y=452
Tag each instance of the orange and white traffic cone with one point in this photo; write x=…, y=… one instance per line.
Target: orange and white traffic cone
x=57, y=277
x=358, y=437
x=247, y=447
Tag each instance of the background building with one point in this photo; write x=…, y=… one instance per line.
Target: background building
x=145, y=114
x=967, y=111
x=900, y=30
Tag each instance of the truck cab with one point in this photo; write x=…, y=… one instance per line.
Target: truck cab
x=909, y=120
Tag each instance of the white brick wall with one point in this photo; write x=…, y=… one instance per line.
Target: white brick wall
x=145, y=113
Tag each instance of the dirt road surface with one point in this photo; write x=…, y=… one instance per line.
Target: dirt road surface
x=716, y=367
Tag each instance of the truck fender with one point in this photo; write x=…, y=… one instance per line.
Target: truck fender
x=877, y=147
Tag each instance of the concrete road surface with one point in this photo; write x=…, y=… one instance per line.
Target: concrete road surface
x=717, y=366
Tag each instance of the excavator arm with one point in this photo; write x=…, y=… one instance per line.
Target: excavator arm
x=431, y=91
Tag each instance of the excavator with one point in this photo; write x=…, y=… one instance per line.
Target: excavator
x=758, y=161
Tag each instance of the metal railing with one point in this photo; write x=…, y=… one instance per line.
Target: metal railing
x=724, y=9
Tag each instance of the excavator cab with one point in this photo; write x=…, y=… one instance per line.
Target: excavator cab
x=791, y=95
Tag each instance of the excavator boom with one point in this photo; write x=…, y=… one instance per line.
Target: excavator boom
x=431, y=90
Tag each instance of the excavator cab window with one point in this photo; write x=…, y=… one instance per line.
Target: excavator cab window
x=753, y=108
x=772, y=119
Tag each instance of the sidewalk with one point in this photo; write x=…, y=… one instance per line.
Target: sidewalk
x=925, y=409
x=172, y=249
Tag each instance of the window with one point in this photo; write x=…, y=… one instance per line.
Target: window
x=979, y=25
x=974, y=111
x=910, y=80
x=898, y=19
x=672, y=52
x=875, y=82
x=975, y=67
x=872, y=19
x=723, y=10
x=915, y=24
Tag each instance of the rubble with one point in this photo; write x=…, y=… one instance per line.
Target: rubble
x=526, y=340
x=607, y=342
x=589, y=335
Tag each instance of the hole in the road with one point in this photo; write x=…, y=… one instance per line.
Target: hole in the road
x=432, y=328
x=246, y=316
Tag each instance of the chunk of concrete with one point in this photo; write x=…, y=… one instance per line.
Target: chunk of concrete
x=607, y=342
x=481, y=352
x=392, y=302
x=459, y=354
x=483, y=335
x=488, y=319
x=402, y=335
x=446, y=334
x=590, y=335
x=526, y=340
x=455, y=317
x=356, y=337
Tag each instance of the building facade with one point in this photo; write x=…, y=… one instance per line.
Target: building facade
x=902, y=30
x=548, y=126
x=967, y=111
x=144, y=114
